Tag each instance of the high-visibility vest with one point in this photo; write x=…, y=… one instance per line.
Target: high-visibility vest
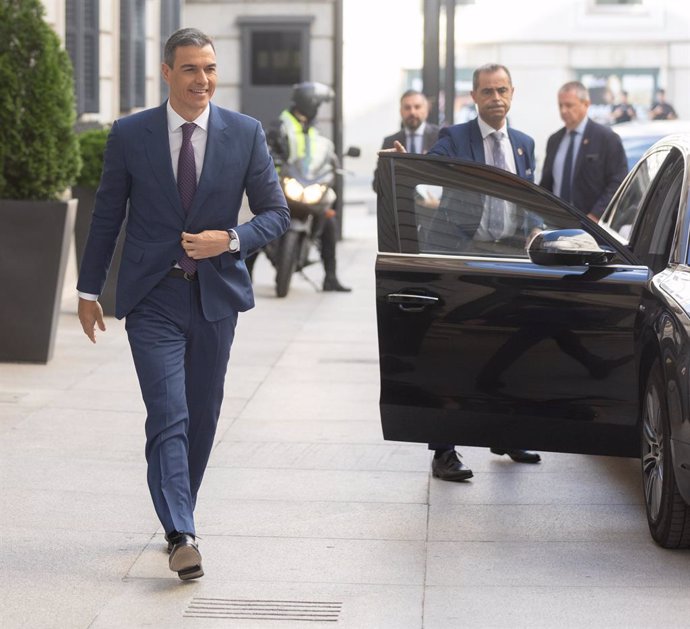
x=311, y=150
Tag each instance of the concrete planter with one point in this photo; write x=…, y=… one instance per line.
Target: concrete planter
x=34, y=247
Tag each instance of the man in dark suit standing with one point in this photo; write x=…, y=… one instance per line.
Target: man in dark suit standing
x=179, y=172
x=488, y=140
x=585, y=161
x=416, y=134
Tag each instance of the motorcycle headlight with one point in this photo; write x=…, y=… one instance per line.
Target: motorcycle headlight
x=293, y=189
x=313, y=193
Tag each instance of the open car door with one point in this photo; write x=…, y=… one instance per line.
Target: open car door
x=483, y=343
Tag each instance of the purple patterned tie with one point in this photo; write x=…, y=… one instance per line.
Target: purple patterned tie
x=186, y=184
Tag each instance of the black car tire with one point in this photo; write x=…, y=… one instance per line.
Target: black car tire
x=668, y=515
x=286, y=262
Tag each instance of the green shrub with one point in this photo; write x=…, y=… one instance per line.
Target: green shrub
x=91, y=147
x=39, y=154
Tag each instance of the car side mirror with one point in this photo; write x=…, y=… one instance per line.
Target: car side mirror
x=568, y=247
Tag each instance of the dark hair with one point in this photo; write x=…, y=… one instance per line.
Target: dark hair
x=412, y=93
x=489, y=68
x=575, y=86
x=184, y=37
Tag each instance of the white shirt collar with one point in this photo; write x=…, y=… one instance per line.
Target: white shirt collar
x=175, y=121
x=487, y=130
x=580, y=129
x=417, y=132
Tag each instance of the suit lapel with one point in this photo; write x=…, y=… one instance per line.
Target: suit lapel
x=552, y=149
x=427, y=139
x=158, y=153
x=518, y=154
x=476, y=142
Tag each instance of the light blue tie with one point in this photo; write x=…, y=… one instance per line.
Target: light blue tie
x=497, y=208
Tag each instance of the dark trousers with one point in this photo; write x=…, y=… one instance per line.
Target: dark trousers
x=181, y=361
x=441, y=446
x=329, y=237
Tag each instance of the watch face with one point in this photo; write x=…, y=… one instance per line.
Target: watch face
x=234, y=244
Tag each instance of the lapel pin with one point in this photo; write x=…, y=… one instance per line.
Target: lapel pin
x=519, y=151
x=585, y=141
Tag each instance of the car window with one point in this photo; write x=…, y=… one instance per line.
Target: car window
x=653, y=237
x=626, y=206
x=635, y=147
x=443, y=209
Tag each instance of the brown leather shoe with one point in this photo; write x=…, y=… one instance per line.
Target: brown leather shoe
x=519, y=456
x=448, y=466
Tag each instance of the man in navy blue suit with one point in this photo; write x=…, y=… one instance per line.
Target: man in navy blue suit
x=488, y=140
x=179, y=172
x=591, y=154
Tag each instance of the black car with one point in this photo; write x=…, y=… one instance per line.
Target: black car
x=569, y=336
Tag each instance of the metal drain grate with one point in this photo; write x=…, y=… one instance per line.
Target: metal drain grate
x=250, y=609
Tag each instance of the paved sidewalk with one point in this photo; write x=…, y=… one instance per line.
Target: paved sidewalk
x=307, y=518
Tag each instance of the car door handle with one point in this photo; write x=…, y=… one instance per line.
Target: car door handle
x=411, y=303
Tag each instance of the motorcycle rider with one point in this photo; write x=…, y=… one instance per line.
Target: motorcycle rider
x=293, y=139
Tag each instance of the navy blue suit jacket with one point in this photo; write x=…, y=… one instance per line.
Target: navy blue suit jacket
x=451, y=230
x=600, y=167
x=464, y=141
x=138, y=182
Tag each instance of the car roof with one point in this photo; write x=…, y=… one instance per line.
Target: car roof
x=651, y=128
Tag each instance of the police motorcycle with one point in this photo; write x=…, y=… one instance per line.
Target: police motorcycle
x=307, y=167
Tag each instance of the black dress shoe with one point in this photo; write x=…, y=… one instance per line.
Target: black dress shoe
x=448, y=466
x=185, y=558
x=519, y=456
x=332, y=285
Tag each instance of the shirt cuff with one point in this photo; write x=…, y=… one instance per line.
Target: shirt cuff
x=87, y=296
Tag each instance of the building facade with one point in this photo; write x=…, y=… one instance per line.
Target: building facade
x=370, y=52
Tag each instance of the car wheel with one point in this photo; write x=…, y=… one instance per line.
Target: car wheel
x=668, y=515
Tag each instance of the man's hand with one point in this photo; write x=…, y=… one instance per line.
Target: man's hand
x=90, y=315
x=397, y=148
x=593, y=217
x=205, y=244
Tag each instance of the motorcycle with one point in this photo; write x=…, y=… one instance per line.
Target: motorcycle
x=310, y=200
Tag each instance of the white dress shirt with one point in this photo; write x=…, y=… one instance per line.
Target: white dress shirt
x=559, y=158
x=510, y=218
x=418, y=135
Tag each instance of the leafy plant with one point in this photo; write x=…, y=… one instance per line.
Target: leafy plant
x=39, y=154
x=91, y=147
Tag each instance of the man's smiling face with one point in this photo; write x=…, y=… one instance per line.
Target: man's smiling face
x=192, y=80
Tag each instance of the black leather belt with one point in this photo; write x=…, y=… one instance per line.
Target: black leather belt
x=179, y=273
